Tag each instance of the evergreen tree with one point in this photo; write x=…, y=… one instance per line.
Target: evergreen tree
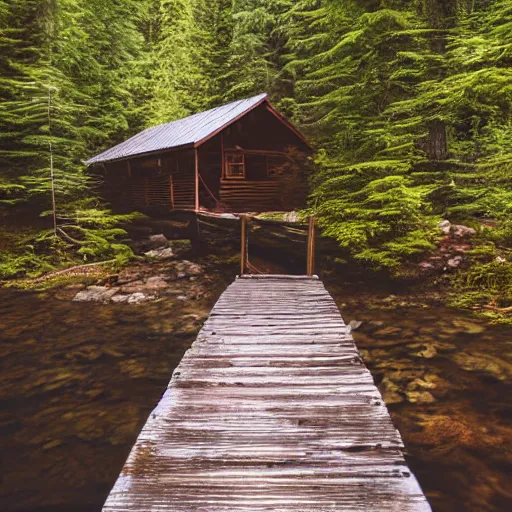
x=178, y=76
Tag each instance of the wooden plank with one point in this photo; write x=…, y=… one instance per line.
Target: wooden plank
x=270, y=410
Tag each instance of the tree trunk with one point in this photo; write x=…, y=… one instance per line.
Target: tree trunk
x=436, y=147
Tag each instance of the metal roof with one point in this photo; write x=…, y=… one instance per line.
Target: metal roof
x=191, y=130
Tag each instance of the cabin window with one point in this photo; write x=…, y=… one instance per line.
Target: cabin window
x=235, y=165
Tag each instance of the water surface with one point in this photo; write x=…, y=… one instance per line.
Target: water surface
x=79, y=380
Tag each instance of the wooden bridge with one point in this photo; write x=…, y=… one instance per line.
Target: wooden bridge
x=273, y=410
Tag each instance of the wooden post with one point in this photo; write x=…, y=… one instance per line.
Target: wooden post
x=244, y=245
x=311, y=247
x=196, y=157
x=222, y=163
x=171, y=190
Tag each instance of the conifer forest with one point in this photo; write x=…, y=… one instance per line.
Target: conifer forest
x=407, y=103
x=369, y=363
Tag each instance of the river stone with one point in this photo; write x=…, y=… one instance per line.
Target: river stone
x=192, y=269
x=454, y=262
x=420, y=397
x=95, y=294
x=484, y=363
x=468, y=327
x=156, y=283
x=160, y=254
x=445, y=226
x=119, y=298
x=355, y=324
x=158, y=241
x=139, y=297
x=388, y=332
x=133, y=287
x=428, y=351
x=460, y=231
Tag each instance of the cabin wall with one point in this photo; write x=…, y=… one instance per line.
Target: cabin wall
x=259, y=136
x=151, y=185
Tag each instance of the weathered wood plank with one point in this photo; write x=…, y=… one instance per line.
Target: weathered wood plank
x=270, y=410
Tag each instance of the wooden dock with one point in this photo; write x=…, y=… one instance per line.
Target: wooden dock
x=273, y=410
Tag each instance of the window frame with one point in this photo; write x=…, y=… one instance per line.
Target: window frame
x=228, y=164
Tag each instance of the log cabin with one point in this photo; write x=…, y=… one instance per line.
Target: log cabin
x=240, y=157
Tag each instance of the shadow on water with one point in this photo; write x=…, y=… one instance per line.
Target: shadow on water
x=79, y=380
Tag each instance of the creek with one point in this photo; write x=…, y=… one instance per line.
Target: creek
x=80, y=379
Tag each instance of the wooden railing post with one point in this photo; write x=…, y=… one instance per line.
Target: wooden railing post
x=243, y=249
x=311, y=247
x=196, y=195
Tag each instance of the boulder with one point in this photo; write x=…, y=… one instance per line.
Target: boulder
x=460, y=231
x=444, y=226
x=158, y=242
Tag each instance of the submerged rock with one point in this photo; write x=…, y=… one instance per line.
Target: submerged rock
x=391, y=392
x=420, y=397
x=468, y=327
x=484, y=363
x=355, y=324
x=388, y=332
x=427, y=350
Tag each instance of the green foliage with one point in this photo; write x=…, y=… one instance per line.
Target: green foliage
x=488, y=287
x=408, y=103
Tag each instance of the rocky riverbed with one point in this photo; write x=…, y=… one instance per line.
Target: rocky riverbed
x=82, y=370
x=447, y=379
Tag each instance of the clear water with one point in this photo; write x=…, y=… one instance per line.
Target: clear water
x=79, y=380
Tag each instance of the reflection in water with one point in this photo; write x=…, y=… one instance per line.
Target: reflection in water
x=79, y=380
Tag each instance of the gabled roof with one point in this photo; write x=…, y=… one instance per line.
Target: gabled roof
x=189, y=131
